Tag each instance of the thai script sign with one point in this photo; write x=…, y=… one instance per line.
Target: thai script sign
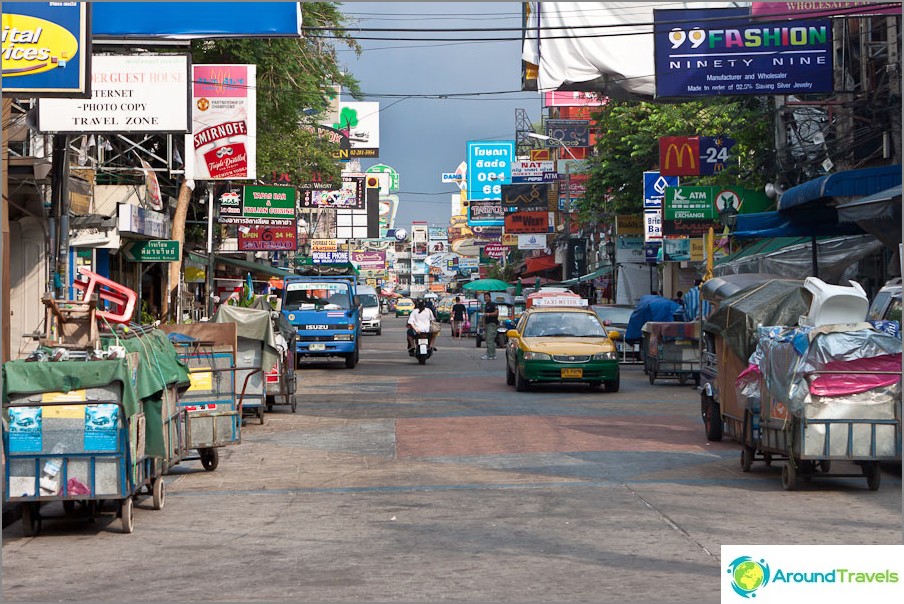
x=489, y=167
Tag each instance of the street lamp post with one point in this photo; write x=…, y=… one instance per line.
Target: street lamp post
x=561, y=143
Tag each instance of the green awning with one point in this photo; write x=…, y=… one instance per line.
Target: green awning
x=605, y=270
x=253, y=267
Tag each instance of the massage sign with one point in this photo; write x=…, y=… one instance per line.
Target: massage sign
x=223, y=121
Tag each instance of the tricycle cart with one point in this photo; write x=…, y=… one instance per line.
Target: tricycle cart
x=671, y=350
x=828, y=393
x=211, y=413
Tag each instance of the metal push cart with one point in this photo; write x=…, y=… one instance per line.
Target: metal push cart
x=671, y=350
x=81, y=446
x=210, y=413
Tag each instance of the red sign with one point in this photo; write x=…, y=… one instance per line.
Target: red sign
x=495, y=250
x=525, y=223
x=227, y=161
x=267, y=239
x=679, y=156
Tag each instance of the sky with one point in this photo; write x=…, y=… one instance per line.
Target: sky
x=422, y=138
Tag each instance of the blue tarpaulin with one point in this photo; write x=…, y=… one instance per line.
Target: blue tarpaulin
x=650, y=308
x=849, y=183
x=814, y=222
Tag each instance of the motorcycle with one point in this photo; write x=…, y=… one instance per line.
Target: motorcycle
x=422, y=349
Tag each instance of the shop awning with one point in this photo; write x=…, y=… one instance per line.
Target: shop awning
x=540, y=264
x=850, y=183
x=878, y=206
x=253, y=267
x=814, y=222
x=605, y=270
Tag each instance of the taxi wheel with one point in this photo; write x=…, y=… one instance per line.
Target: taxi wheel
x=613, y=385
x=521, y=384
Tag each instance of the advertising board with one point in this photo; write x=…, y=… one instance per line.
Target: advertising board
x=268, y=238
x=489, y=167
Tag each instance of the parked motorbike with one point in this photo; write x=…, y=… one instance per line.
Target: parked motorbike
x=422, y=348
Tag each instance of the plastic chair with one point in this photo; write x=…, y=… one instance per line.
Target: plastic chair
x=122, y=298
x=834, y=304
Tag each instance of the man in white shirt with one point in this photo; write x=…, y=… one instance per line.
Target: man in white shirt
x=419, y=322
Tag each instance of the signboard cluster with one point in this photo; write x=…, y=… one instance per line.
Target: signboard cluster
x=265, y=217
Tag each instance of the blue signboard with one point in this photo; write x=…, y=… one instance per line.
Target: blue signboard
x=25, y=430
x=101, y=425
x=195, y=20
x=489, y=167
x=46, y=49
x=708, y=52
x=654, y=188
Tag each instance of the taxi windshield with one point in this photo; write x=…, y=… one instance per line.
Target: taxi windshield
x=563, y=325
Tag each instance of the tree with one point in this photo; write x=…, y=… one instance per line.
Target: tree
x=295, y=78
x=628, y=145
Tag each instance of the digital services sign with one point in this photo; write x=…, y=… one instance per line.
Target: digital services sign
x=711, y=52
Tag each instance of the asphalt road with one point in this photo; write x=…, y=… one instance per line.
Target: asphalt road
x=400, y=482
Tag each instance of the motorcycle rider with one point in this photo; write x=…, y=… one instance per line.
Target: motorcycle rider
x=419, y=322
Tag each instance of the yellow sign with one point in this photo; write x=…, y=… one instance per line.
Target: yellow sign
x=509, y=239
x=201, y=380
x=73, y=396
x=324, y=245
x=697, y=250
x=64, y=411
x=32, y=45
x=630, y=224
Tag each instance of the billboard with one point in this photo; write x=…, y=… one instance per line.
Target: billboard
x=46, y=49
x=720, y=51
x=137, y=93
x=525, y=171
x=224, y=121
x=527, y=223
x=485, y=213
x=572, y=133
x=349, y=196
x=268, y=238
x=532, y=197
x=489, y=167
x=654, y=185
x=195, y=20
x=360, y=122
x=572, y=98
x=268, y=202
x=693, y=155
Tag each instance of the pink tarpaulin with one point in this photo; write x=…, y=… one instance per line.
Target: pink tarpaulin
x=846, y=381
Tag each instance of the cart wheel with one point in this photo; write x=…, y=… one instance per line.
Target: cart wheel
x=29, y=521
x=682, y=378
x=271, y=400
x=210, y=459
x=159, y=494
x=260, y=414
x=127, y=513
x=789, y=476
x=873, y=475
x=747, y=454
x=293, y=402
x=652, y=375
x=767, y=459
x=478, y=340
x=825, y=466
x=69, y=507
x=712, y=417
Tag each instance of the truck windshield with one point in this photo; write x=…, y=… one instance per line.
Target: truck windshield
x=368, y=300
x=317, y=296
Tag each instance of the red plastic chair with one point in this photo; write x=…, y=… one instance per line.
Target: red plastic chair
x=122, y=298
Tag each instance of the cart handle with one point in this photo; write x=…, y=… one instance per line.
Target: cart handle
x=252, y=371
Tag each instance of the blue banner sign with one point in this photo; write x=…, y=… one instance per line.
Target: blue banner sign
x=195, y=20
x=654, y=186
x=489, y=167
x=709, y=52
x=46, y=49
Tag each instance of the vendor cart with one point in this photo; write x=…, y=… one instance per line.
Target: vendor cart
x=280, y=379
x=671, y=350
x=211, y=410
x=736, y=305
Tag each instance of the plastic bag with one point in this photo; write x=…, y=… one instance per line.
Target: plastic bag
x=435, y=326
x=467, y=326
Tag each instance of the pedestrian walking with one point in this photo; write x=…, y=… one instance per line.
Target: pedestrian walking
x=491, y=322
x=458, y=316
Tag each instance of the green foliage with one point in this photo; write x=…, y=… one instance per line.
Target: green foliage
x=294, y=78
x=628, y=145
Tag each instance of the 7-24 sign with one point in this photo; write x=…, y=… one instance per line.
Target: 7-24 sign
x=693, y=155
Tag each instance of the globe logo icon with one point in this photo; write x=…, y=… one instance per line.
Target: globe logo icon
x=748, y=575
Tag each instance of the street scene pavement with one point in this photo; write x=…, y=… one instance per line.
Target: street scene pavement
x=400, y=482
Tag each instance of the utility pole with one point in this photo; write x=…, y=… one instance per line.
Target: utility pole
x=567, y=220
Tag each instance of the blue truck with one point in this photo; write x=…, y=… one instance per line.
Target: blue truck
x=325, y=311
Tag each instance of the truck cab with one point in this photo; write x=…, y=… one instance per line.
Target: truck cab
x=326, y=312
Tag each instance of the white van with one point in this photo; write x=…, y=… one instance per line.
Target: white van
x=370, y=309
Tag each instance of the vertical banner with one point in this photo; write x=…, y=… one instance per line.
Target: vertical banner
x=224, y=119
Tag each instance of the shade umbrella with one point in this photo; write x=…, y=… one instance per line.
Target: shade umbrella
x=486, y=285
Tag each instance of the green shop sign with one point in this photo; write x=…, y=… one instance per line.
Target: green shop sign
x=156, y=250
x=268, y=202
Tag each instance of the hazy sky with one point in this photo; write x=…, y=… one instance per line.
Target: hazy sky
x=420, y=137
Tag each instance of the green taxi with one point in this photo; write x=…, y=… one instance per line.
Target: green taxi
x=403, y=307
x=561, y=344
